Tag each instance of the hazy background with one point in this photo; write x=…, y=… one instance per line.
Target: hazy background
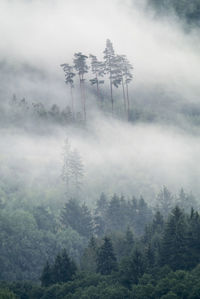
x=37, y=36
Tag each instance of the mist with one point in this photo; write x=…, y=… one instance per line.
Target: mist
x=126, y=158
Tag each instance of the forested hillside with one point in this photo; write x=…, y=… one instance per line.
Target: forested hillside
x=186, y=10
x=99, y=149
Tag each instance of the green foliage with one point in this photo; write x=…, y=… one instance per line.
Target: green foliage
x=106, y=259
x=61, y=271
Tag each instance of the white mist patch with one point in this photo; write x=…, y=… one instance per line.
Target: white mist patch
x=117, y=157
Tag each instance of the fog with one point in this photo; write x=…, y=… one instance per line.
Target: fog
x=138, y=158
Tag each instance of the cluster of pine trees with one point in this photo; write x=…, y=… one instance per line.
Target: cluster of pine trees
x=116, y=67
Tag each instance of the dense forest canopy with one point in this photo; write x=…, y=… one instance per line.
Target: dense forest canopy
x=99, y=149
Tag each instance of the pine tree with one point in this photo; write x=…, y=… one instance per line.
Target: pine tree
x=72, y=170
x=174, y=243
x=66, y=168
x=64, y=268
x=69, y=80
x=77, y=170
x=88, y=260
x=165, y=201
x=87, y=222
x=81, y=67
x=98, y=69
x=106, y=259
x=109, y=58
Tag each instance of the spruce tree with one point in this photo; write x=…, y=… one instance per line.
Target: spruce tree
x=174, y=243
x=63, y=269
x=106, y=259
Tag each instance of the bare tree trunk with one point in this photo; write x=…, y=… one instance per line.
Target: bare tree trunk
x=128, y=102
x=72, y=98
x=111, y=94
x=124, y=96
x=82, y=97
x=84, y=102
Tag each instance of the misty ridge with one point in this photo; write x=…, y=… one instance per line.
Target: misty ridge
x=99, y=141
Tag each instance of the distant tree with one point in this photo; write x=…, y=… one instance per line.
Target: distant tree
x=55, y=112
x=127, y=78
x=81, y=67
x=186, y=201
x=174, y=243
x=66, y=168
x=165, y=201
x=132, y=268
x=69, y=80
x=78, y=217
x=72, y=169
x=110, y=65
x=115, y=216
x=46, y=277
x=89, y=257
x=98, y=70
x=77, y=169
x=106, y=259
x=64, y=268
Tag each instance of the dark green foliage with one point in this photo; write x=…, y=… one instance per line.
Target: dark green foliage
x=78, y=217
x=46, y=277
x=106, y=259
x=61, y=271
x=174, y=244
x=132, y=268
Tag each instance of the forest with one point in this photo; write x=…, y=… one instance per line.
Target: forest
x=99, y=149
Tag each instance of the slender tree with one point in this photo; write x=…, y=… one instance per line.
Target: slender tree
x=77, y=169
x=69, y=80
x=81, y=67
x=106, y=259
x=109, y=58
x=98, y=70
x=66, y=168
x=127, y=78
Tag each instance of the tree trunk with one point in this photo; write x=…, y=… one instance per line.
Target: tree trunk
x=128, y=102
x=124, y=95
x=72, y=98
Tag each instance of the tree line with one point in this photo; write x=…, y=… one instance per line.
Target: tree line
x=163, y=262
x=116, y=68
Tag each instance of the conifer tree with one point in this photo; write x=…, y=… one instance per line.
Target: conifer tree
x=69, y=80
x=109, y=58
x=106, y=259
x=174, y=245
x=81, y=67
x=97, y=68
x=64, y=268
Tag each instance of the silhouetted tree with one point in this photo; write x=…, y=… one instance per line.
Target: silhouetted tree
x=69, y=80
x=98, y=70
x=109, y=58
x=81, y=67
